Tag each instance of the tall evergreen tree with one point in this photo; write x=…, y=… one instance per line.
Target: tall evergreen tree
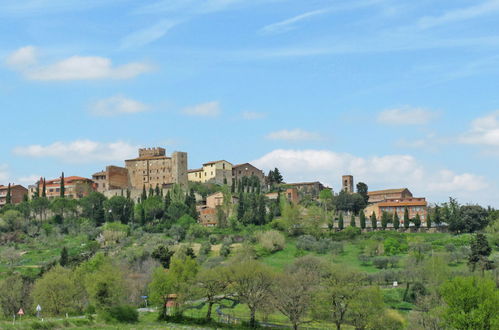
x=362, y=190
x=341, y=224
x=437, y=218
x=240, y=207
x=168, y=201
x=8, y=198
x=262, y=211
x=157, y=189
x=151, y=191
x=352, y=220
x=396, y=220
x=44, y=188
x=407, y=221
x=143, y=197
x=64, y=259
x=428, y=221
x=277, y=176
x=362, y=218
x=417, y=221
x=62, y=188
x=374, y=221
x=385, y=218
x=480, y=252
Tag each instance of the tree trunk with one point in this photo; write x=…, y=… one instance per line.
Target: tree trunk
x=295, y=326
x=252, y=318
x=406, y=292
x=338, y=326
x=208, y=314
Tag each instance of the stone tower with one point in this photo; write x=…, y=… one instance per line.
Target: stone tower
x=179, y=168
x=347, y=183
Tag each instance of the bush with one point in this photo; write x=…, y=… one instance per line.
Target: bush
x=352, y=232
x=197, y=231
x=381, y=262
x=122, y=314
x=272, y=240
x=324, y=245
x=364, y=259
x=225, y=250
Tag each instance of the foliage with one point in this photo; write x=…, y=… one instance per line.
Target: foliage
x=271, y=240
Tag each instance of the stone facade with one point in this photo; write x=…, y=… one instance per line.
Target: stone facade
x=347, y=184
x=74, y=187
x=247, y=170
x=153, y=168
x=114, y=177
x=217, y=172
x=414, y=207
x=17, y=193
x=307, y=188
x=381, y=195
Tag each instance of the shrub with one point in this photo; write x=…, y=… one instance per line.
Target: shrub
x=272, y=240
x=225, y=250
x=197, y=231
x=352, y=232
x=213, y=239
x=381, y=262
x=364, y=259
x=122, y=314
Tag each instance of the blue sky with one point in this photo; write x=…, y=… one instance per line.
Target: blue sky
x=397, y=93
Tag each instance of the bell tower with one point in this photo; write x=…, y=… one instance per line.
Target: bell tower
x=347, y=183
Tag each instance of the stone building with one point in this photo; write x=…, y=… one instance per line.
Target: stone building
x=247, y=170
x=217, y=172
x=17, y=193
x=74, y=187
x=347, y=183
x=307, y=188
x=153, y=168
x=113, y=177
x=396, y=200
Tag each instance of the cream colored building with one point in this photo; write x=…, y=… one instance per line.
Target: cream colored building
x=218, y=172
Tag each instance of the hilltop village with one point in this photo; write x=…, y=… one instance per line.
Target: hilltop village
x=153, y=172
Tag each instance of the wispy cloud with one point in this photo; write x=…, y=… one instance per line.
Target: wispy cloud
x=295, y=135
x=483, y=131
x=461, y=14
x=72, y=68
x=290, y=23
x=195, y=7
x=116, y=105
x=4, y=173
x=79, y=151
x=406, y=116
x=149, y=34
x=209, y=109
x=42, y=7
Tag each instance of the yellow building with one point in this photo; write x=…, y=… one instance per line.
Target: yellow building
x=218, y=172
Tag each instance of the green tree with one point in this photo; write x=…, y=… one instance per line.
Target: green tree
x=93, y=207
x=407, y=221
x=396, y=220
x=8, y=197
x=374, y=221
x=362, y=190
x=480, y=252
x=64, y=259
x=428, y=220
x=417, y=221
x=437, y=217
x=57, y=292
x=106, y=287
x=277, y=176
x=471, y=303
x=213, y=284
x=44, y=188
x=366, y=309
x=252, y=284
x=352, y=220
x=62, y=189
x=385, y=218
x=14, y=294
x=470, y=218
x=163, y=254
x=362, y=219
x=119, y=208
x=340, y=221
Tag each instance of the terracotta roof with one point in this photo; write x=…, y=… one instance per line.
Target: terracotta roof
x=99, y=173
x=216, y=161
x=411, y=203
x=67, y=179
x=302, y=183
x=387, y=191
x=196, y=170
x=11, y=186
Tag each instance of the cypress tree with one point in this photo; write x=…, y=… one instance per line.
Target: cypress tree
x=157, y=190
x=437, y=218
x=143, y=197
x=240, y=206
x=352, y=220
x=396, y=220
x=8, y=198
x=151, y=191
x=44, y=188
x=168, y=200
x=406, y=218
x=277, y=176
x=374, y=221
x=262, y=211
x=428, y=221
x=142, y=216
x=417, y=221
x=384, y=220
x=62, y=188
x=64, y=260
x=362, y=217
x=340, y=222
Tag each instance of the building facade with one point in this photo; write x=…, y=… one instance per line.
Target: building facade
x=381, y=195
x=74, y=187
x=17, y=193
x=217, y=172
x=153, y=168
x=307, y=188
x=113, y=177
x=247, y=170
x=347, y=183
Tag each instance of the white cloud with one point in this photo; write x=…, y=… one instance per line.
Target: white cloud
x=149, y=34
x=290, y=23
x=293, y=135
x=457, y=15
x=72, y=68
x=209, y=109
x=406, y=116
x=484, y=131
x=28, y=180
x=379, y=172
x=250, y=115
x=117, y=105
x=22, y=58
x=79, y=151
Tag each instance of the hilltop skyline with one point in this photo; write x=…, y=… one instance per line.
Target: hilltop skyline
x=398, y=94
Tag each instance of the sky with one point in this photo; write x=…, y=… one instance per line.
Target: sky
x=396, y=93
